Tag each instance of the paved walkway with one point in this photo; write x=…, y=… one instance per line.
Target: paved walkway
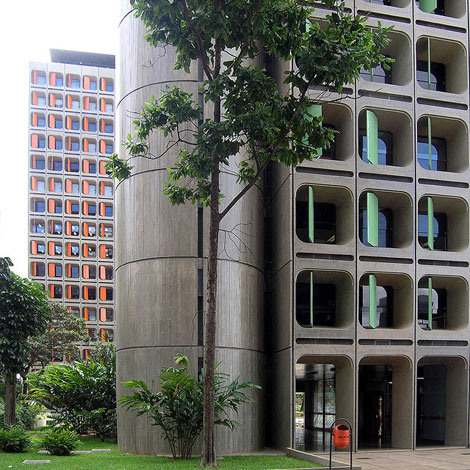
x=432, y=459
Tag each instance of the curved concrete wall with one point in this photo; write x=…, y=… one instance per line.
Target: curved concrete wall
x=157, y=263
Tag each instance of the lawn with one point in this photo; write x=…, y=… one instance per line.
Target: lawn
x=116, y=460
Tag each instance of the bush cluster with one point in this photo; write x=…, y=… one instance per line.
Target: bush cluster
x=14, y=439
x=26, y=415
x=60, y=441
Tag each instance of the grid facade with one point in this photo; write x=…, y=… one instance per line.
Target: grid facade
x=71, y=197
x=370, y=290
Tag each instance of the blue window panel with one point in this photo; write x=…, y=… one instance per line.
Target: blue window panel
x=108, y=211
x=41, y=122
x=92, y=168
x=40, y=164
x=108, y=128
x=109, y=148
x=75, y=83
x=75, y=125
x=41, y=143
x=58, y=144
x=92, y=85
x=59, y=124
x=41, y=248
x=74, y=147
x=91, y=209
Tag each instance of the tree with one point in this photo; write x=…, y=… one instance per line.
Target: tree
x=252, y=119
x=178, y=407
x=24, y=312
x=83, y=394
x=61, y=336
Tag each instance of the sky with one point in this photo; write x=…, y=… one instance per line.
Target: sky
x=28, y=29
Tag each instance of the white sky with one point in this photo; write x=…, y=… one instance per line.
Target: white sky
x=28, y=29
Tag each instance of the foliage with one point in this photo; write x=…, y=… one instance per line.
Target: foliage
x=26, y=414
x=250, y=120
x=14, y=439
x=178, y=407
x=63, y=332
x=82, y=394
x=60, y=441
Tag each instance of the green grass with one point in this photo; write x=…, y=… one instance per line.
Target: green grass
x=116, y=460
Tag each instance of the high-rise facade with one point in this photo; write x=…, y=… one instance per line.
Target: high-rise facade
x=364, y=309
x=71, y=197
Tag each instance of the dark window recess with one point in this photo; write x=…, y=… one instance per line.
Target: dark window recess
x=329, y=153
x=385, y=146
x=440, y=9
x=439, y=307
x=438, y=153
x=324, y=220
x=324, y=304
x=437, y=79
x=200, y=230
x=439, y=231
x=74, y=271
x=382, y=2
x=385, y=220
x=377, y=75
x=384, y=306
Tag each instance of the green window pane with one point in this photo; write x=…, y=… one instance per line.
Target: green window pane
x=427, y=6
x=372, y=219
x=372, y=301
x=372, y=131
x=311, y=215
x=430, y=224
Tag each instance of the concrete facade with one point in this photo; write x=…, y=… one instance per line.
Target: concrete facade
x=161, y=256
x=71, y=197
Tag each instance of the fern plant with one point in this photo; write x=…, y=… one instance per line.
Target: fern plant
x=178, y=407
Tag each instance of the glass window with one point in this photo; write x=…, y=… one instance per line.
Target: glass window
x=38, y=205
x=108, y=211
x=324, y=304
x=56, y=291
x=91, y=209
x=109, y=148
x=384, y=310
x=92, y=231
x=55, y=164
x=74, y=229
x=92, y=189
x=57, y=249
x=41, y=248
x=436, y=80
x=385, y=141
x=38, y=163
x=438, y=153
x=37, y=226
x=74, y=209
x=39, y=269
x=385, y=222
x=439, y=306
x=108, y=190
x=108, y=128
x=75, y=188
x=439, y=231
x=74, y=292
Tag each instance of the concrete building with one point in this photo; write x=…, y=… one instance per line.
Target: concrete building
x=365, y=285
x=71, y=198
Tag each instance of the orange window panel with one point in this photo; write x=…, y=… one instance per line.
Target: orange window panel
x=51, y=248
x=52, y=121
x=102, y=314
x=102, y=188
x=103, y=335
x=102, y=146
x=85, y=124
x=68, y=186
x=69, y=101
x=102, y=168
x=51, y=205
x=52, y=100
x=68, y=143
x=101, y=230
x=86, y=163
x=86, y=271
x=103, y=84
x=69, y=272
x=51, y=270
x=52, y=79
x=85, y=145
x=34, y=269
x=68, y=207
x=85, y=208
x=34, y=161
x=35, y=119
x=51, y=184
x=35, y=97
x=103, y=276
x=86, y=103
x=68, y=122
x=85, y=313
x=85, y=292
x=85, y=250
x=52, y=291
x=86, y=350
x=86, y=189
x=34, y=183
x=35, y=141
x=85, y=227
x=102, y=293
x=34, y=247
x=35, y=77
x=103, y=104
x=69, y=292
x=102, y=209
x=103, y=251
x=68, y=228
x=69, y=81
x=51, y=142
x=51, y=226
x=102, y=126
x=69, y=249
x=86, y=82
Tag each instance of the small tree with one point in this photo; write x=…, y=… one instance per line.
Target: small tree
x=82, y=394
x=250, y=117
x=24, y=312
x=178, y=408
x=63, y=333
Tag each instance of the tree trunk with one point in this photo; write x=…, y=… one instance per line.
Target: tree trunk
x=208, y=458
x=10, y=399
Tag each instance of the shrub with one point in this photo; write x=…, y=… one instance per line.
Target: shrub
x=26, y=414
x=14, y=439
x=60, y=441
x=80, y=392
x=178, y=407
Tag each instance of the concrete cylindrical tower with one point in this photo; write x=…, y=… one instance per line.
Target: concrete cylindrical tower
x=161, y=254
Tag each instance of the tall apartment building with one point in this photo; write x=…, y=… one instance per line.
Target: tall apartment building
x=71, y=198
x=367, y=313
